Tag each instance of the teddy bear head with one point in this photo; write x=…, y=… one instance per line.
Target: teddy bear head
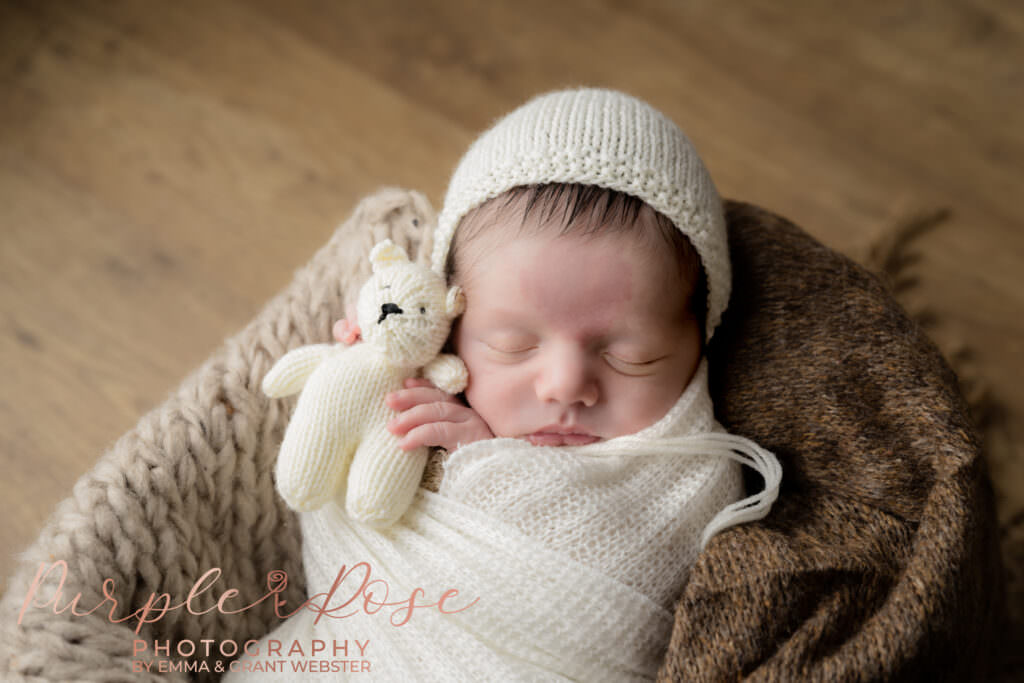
x=405, y=309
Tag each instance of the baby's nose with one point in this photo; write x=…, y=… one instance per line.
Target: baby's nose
x=568, y=380
x=386, y=310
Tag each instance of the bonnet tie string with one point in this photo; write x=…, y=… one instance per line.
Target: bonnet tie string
x=738, y=448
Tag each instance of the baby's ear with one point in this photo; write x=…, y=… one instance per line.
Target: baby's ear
x=455, y=303
x=386, y=254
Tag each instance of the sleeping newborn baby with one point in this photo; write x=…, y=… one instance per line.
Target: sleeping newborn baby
x=585, y=469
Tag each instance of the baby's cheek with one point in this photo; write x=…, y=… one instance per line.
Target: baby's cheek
x=479, y=380
x=493, y=395
x=642, y=404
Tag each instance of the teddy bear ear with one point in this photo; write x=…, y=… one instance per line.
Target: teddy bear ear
x=455, y=303
x=386, y=254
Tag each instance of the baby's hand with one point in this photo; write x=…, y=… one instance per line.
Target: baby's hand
x=347, y=332
x=430, y=417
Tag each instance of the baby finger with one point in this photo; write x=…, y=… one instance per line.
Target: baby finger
x=426, y=413
x=447, y=435
x=404, y=399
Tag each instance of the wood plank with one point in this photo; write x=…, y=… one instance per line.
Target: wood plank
x=164, y=167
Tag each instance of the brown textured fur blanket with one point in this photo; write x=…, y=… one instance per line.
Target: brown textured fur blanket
x=879, y=560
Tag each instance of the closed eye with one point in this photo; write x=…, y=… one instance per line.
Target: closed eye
x=511, y=350
x=502, y=353
x=509, y=342
x=634, y=368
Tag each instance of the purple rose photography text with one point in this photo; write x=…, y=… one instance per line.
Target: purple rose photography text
x=356, y=590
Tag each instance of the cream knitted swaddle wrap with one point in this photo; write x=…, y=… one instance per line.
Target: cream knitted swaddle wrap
x=633, y=507
x=573, y=555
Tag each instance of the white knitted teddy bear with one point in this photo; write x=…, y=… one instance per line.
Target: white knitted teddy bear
x=405, y=312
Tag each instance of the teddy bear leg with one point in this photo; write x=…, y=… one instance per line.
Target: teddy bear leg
x=382, y=480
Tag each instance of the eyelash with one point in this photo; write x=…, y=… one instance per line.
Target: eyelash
x=634, y=368
x=630, y=362
x=510, y=352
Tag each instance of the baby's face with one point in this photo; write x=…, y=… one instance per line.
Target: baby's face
x=573, y=339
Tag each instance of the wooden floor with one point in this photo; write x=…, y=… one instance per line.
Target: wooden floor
x=166, y=166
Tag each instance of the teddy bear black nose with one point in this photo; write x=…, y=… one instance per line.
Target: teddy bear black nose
x=386, y=310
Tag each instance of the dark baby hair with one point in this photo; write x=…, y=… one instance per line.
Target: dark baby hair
x=588, y=210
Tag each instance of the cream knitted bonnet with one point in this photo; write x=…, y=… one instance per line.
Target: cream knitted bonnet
x=603, y=138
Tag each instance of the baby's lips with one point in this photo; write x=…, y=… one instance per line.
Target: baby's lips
x=561, y=439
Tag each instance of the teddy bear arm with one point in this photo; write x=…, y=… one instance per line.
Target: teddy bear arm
x=447, y=372
x=290, y=372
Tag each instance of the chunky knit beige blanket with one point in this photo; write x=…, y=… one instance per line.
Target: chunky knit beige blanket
x=879, y=560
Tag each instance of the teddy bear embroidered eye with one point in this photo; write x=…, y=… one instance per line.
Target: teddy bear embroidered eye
x=336, y=446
